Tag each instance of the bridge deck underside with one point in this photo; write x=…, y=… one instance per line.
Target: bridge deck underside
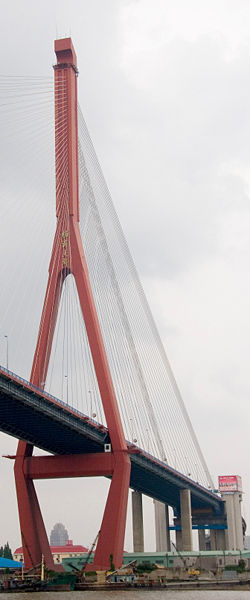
x=58, y=429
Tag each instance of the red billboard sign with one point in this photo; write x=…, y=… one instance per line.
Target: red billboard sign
x=230, y=483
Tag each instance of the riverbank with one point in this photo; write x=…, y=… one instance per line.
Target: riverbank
x=184, y=586
x=205, y=585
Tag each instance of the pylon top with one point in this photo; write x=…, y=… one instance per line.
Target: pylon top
x=65, y=52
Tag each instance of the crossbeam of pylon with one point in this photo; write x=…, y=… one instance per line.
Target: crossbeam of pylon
x=68, y=258
x=76, y=465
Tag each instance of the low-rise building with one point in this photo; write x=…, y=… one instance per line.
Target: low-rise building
x=69, y=550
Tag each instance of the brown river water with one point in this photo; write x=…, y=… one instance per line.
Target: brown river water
x=132, y=595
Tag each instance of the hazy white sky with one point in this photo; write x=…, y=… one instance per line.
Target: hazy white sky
x=165, y=88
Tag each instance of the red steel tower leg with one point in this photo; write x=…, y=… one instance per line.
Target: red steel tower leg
x=68, y=258
x=33, y=533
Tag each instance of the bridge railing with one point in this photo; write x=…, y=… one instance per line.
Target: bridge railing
x=45, y=394
x=13, y=376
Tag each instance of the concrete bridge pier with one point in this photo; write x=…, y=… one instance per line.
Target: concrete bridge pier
x=178, y=539
x=137, y=518
x=217, y=539
x=162, y=533
x=202, y=539
x=183, y=523
x=234, y=534
x=238, y=520
x=186, y=520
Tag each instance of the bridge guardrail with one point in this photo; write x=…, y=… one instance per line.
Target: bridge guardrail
x=75, y=411
x=46, y=394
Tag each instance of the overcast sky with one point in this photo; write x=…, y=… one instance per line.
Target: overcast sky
x=164, y=86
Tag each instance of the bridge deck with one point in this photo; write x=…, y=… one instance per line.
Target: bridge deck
x=28, y=413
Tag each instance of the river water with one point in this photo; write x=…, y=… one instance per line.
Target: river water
x=132, y=595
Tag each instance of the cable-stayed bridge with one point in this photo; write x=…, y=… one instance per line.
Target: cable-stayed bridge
x=71, y=438
x=98, y=348
x=26, y=412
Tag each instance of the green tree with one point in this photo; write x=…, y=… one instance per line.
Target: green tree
x=112, y=566
x=7, y=551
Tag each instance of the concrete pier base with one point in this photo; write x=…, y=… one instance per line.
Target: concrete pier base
x=186, y=520
x=217, y=539
x=202, y=539
x=178, y=540
x=213, y=545
x=230, y=534
x=234, y=534
x=137, y=518
x=238, y=521
x=221, y=539
x=162, y=533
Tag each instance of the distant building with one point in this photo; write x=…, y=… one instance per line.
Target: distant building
x=58, y=535
x=69, y=550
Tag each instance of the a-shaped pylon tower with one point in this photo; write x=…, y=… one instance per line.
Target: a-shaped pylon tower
x=68, y=258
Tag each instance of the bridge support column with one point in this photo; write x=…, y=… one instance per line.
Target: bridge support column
x=111, y=536
x=217, y=537
x=202, y=539
x=33, y=534
x=231, y=534
x=234, y=535
x=162, y=533
x=238, y=521
x=178, y=540
x=186, y=520
x=212, y=540
x=137, y=517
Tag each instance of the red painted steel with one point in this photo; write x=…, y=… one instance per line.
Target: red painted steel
x=33, y=533
x=111, y=538
x=76, y=465
x=68, y=258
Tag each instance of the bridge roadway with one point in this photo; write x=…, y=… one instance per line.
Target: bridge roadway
x=28, y=413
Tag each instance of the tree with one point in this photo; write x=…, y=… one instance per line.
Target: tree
x=5, y=551
x=112, y=566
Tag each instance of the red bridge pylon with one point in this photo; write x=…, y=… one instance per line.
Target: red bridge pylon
x=68, y=258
